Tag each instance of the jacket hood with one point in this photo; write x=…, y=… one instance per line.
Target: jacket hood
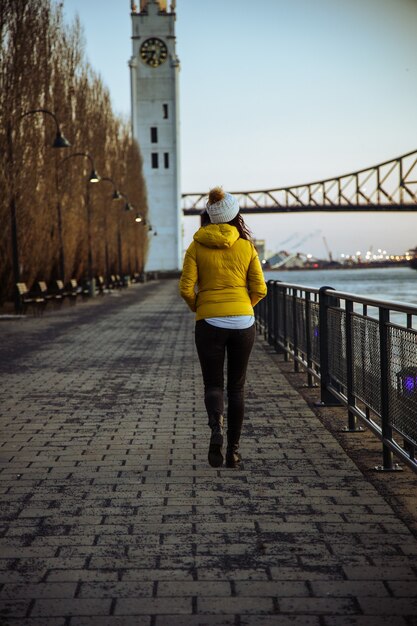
x=217, y=235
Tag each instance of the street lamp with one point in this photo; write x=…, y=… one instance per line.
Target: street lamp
x=117, y=195
x=127, y=207
x=149, y=227
x=93, y=178
x=59, y=142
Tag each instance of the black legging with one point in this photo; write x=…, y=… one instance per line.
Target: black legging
x=212, y=343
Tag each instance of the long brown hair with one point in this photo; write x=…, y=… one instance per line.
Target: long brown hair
x=238, y=221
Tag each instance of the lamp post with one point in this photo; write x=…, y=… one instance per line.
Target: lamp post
x=128, y=207
x=59, y=142
x=138, y=220
x=93, y=178
x=117, y=195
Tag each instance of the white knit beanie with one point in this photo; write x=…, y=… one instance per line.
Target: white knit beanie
x=224, y=210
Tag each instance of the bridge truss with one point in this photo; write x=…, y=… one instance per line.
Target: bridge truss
x=389, y=186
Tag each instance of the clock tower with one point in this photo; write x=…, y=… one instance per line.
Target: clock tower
x=154, y=69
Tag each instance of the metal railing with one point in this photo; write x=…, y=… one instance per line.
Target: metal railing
x=362, y=351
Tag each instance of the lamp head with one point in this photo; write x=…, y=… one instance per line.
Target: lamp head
x=94, y=177
x=60, y=141
x=116, y=195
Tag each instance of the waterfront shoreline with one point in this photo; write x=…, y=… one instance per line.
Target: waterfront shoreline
x=356, y=266
x=397, y=284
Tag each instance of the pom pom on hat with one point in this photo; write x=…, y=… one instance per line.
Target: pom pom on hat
x=222, y=207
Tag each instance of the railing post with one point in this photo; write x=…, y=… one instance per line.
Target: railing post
x=275, y=315
x=326, y=397
x=353, y=426
x=278, y=314
x=269, y=312
x=309, y=352
x=309, y=358
x=264, y=315
x=295, y=329
x=386, y=430
x=284, y=324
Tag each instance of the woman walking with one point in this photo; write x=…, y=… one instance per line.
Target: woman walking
x=221, y=282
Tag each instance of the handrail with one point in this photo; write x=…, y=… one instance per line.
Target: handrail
x=366, y=363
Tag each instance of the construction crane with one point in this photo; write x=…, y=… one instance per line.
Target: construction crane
x=329, y=254
x=298, y=243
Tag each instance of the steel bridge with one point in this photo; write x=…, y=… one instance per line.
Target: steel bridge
x=390, y=186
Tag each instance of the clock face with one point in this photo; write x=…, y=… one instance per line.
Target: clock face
x=153, y=52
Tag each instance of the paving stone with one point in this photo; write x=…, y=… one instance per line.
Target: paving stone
x=279, y=588
x=195, y=620
x=115, y=589
x=75, y=606
x=311, y=573
x=389, y=606
x=348, y=588
x=402, y=588
x=180, y=575
x=112, y=620
x=15, y=608
x=380, y=573
x=366, y=620
x=239, y=605
x=82, y=575
x=153, y=606
x=196, y=588
x=38, y=590
x=318, y=606
x=35, y=621
x=280, y=620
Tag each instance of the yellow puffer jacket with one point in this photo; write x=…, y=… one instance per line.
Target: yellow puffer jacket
x=222, y=274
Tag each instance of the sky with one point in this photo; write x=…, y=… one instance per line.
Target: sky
x=282, y=92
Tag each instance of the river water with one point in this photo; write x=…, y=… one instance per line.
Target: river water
x=397, y=284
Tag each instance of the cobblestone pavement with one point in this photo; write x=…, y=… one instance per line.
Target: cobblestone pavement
x=111, y=515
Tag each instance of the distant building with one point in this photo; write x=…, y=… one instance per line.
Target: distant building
x=260, y=246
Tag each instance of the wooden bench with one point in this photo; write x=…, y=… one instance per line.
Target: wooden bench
x=100, y=285
x=27, y=299
x=85, y=289
x=41, y=288
x=71, y=290
x=57, y=291
x=115, y=282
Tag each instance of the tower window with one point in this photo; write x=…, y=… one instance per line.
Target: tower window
x=154, y=157
x=154, y=134
x=165, y=111
x=166, y=160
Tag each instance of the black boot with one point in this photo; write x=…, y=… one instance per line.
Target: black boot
x=233, y=457
x=215, y=453
x=235, y=413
